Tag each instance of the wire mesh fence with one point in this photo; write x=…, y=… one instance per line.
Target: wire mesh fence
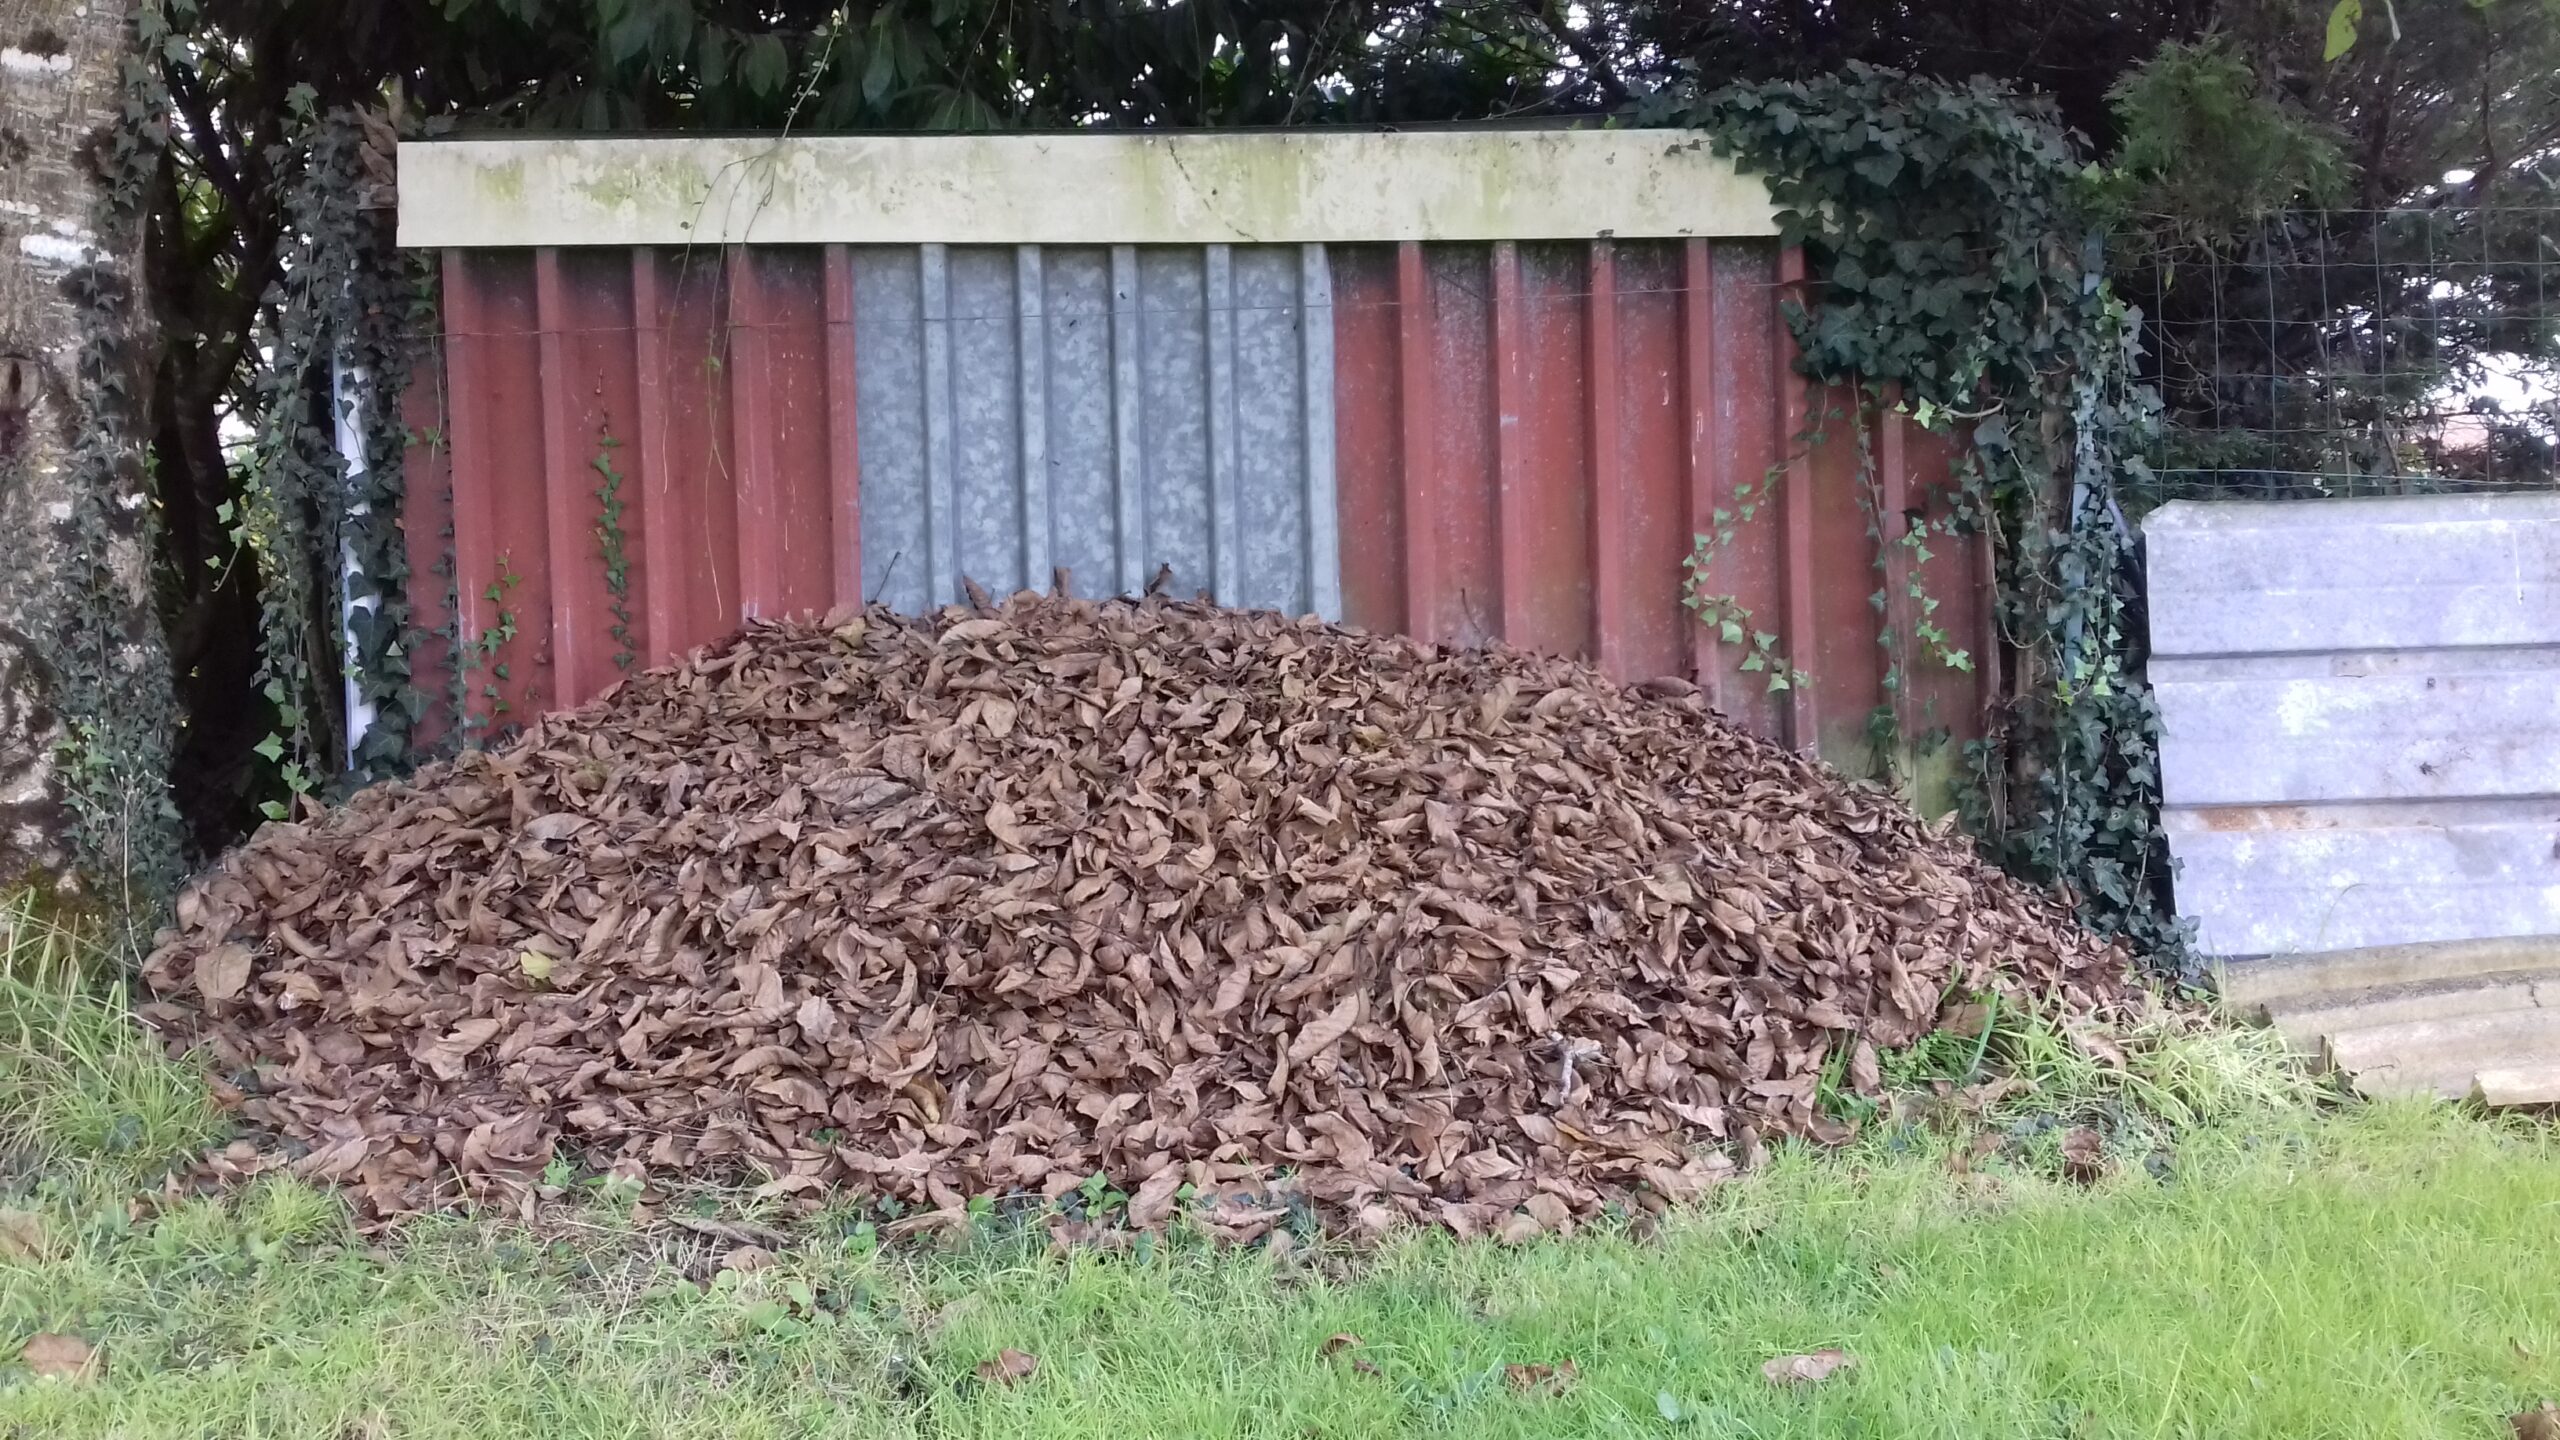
x=2355, y=352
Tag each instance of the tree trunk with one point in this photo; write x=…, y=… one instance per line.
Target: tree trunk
x=85, y=713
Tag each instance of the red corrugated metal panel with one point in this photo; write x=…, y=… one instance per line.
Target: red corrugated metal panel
x=719, y=389
x=1530, y=438
x=426, y=528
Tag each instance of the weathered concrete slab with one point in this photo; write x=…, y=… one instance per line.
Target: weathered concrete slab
x=2287, y=879
x=2526, y=1085
x=2444, y=1057
x=1308, y=186
x=2254, y=987
x=2361, y=706
x=2393, y=573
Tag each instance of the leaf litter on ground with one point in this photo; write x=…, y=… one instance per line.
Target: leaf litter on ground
x=1010, y=1367
x=60, y=1357
x=1810, y=1368
x=1246, y=913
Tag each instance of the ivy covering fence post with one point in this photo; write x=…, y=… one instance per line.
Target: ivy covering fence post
x=87, y=716
x=334, y=602
x=1958, y=276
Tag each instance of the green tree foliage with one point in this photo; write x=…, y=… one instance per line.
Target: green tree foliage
x=2206, y=149
x=2336, y=249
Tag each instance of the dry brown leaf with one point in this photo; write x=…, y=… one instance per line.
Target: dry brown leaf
x=1810, y=1368
x=1339, y=1341
x=1363, y=1367
x=22, y=1235
x=61, y=1357
x=223, y=972
x=1010, y=1367
x=1153, y=1201
x=1322, y=1032
x=2084, y=1156
x=446, y=1055
x=816, y=1019
x=1966, y=1021
x=2542, y=1422
x=747, y=1259
x=1982, y=1145
x=1546, y=1379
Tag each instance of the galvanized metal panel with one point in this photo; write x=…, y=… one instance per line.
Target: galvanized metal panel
x=1026, y=409
x=2361, y=710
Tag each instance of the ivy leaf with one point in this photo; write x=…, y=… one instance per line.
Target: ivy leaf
x=1731, y=631
x=272, y=748
x=879, y=73
x=764, y=67
x=711, y=57
x=627, y=37
x=2344, y=18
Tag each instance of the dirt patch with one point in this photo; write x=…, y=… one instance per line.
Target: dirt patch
x=995, y=902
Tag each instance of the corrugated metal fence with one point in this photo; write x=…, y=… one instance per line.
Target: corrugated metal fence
x=1469, y=442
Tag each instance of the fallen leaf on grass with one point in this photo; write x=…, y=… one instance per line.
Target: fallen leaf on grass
x=1807, y=1369
x=1338, y=1342
x=21, y=1234
x=1009, y=1367
x=1966, y=1021
x=2084, y=1156
x=1963, y=1161
x=1545, y=1379
x=2542, y=1422
x=1363, y=1367
x=61, y=1357
x=747, y=1259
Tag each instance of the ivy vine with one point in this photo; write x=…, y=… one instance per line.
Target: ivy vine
x=1961, y=280
x=102, y=646
x=336, y=620
x=613, y=543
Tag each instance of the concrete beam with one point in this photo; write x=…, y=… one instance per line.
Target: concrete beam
x=1130, y=188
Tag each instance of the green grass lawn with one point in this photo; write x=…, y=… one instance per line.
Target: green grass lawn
x=2265, y=1269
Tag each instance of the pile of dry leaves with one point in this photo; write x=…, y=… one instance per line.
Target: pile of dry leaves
x=992, y=903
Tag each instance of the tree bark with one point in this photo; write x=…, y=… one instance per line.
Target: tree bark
x=84, y=685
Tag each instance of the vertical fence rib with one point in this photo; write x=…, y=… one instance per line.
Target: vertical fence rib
x=844, y=450
x=1315, y=354
x=1421, y=468
x=1709, y=480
